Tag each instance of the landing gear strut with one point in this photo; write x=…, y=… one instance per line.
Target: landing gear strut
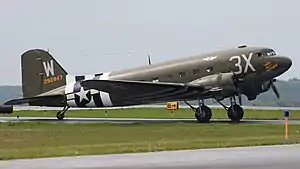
x=61, y=114
x=235, y=112
x=202, y=113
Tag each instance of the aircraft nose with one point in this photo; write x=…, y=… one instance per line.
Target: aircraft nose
x=278, y=64
x=283, y=62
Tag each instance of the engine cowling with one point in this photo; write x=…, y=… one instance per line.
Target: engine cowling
x=221, y=85
x=265, y=87
x=6, y=109
x=216, y=80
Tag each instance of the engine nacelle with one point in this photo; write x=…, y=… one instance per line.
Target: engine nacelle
x=216, y=80
x=265, y=87
x=6, y=109
x=221, y=85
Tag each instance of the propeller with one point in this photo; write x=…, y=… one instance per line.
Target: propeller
x=239, y=97
x=237, y=81
x=275, y=90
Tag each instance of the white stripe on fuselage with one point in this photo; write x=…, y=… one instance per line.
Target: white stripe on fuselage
x=70, y=94
x=105, y=97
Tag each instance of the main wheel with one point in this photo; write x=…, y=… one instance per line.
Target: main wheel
x=204, y=115
x=60, y=116
x=235, y=113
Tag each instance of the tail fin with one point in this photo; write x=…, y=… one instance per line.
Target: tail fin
x=40, y=73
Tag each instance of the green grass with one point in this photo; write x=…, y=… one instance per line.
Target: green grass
x=157, y=113
x=32, y=140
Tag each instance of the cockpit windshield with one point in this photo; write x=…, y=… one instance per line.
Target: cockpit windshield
x=271, y=53
x=266, y=53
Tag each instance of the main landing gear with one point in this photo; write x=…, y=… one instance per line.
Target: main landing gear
x=203, y=113
x=234, y=112
x=61, y=114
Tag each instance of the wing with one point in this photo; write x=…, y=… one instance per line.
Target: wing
x=219, y=86
x=142, y=90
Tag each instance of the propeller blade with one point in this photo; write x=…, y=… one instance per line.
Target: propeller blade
x=240, y=98
x=275, y=90
x=237, y=81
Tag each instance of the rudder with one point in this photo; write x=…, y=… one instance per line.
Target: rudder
x=40, y=73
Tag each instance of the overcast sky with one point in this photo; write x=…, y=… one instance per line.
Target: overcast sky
x=82, y=35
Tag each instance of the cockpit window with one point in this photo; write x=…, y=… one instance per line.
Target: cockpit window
x=266, y=53
x=272, y=53
x=259, y=54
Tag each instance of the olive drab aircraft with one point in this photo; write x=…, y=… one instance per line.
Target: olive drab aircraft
x=223, y=74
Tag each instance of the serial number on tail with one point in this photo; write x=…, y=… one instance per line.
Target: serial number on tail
x=53, y=79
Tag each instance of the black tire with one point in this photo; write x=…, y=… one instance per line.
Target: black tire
x=205, y=116
x=60, y=116
x=235, y=113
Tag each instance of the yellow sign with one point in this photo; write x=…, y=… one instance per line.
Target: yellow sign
x=172, y=105
x=53, y=79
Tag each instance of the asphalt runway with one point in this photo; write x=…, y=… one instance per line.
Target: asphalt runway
x=267, y=157
x=23, y=107
x=134, y=120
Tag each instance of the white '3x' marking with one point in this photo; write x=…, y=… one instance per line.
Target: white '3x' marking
x=248, y=63
x=239, y=66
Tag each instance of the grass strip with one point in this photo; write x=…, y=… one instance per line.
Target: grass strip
x=34, y=140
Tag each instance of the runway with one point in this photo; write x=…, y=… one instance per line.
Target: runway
x=134, y=120
x=267, y=157
x=38, y=108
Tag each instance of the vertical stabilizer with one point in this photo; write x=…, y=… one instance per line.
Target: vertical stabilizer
x=40, y=73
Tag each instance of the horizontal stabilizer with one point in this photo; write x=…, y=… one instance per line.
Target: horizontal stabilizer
x=29, y=100
x=6, y=109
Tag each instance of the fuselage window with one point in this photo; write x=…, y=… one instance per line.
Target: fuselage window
x=155, y=80
x=181, y=74
x=196, y=71
x=209, y=69
x=272, y=53
x=79, y=78
x=259, y=54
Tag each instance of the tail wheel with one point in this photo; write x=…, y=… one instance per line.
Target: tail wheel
x=60, y=115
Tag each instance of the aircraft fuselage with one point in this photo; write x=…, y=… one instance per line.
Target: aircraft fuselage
x=256, y=65
x=218, y=75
